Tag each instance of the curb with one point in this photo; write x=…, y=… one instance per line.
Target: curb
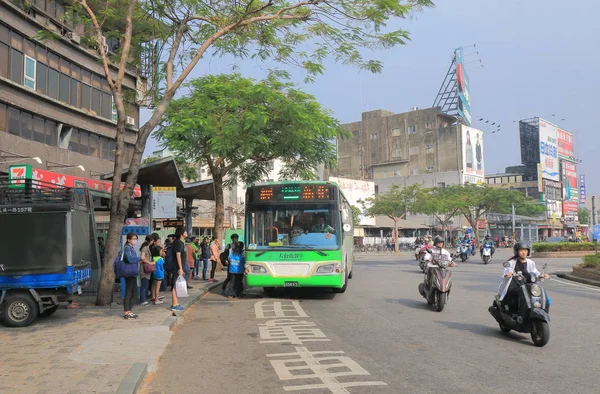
x=175, y=317
x=133, y=379
x=573, y=278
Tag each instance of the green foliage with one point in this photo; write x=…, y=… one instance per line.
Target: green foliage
x=238, y=126
x=562, y=246
x=591, y=261
x=395, y=203
x=356, y=214
x=187, y=171
x=584, y=215
x=442, y=202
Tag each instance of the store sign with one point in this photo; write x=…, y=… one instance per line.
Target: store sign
x=549, y=151
x=17, y=175
x=173, y=223
x=582, y=190
x=565, y=144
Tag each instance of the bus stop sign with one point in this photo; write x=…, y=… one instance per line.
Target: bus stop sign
x=596, y=231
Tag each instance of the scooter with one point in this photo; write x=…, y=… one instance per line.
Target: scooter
x=425, y=259
x=534, y=307
x=486, y=253
x=464, y=252
x=438, y=282
x=417, y=249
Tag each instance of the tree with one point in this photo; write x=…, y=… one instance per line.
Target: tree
x=442, y=202
x=476, y=201
x=584, y=215
x=395, y=204
x=356, y=214
x=186, y=170
x=177, y=34
x=237, y=127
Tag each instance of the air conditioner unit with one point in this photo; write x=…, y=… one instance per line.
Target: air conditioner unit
x=130, y=121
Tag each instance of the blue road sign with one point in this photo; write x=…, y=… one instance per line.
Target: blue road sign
x=597, y=231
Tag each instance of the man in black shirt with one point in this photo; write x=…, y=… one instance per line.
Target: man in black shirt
x=179, y=252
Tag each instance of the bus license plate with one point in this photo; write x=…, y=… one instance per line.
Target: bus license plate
x=291, y=284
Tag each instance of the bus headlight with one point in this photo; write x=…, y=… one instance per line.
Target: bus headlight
x=258, y=269
x=328, y=269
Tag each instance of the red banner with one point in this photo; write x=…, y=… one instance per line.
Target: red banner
x=565, y=144
x=68, y=181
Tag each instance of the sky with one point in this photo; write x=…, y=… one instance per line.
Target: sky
x=539, y=57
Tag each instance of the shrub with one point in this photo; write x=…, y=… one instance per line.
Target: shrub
x=591, y=261
x=563, y=247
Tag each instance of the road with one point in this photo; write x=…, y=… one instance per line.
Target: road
x=389, y=336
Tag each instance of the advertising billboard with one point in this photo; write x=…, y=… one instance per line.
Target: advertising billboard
x=565, y=144
x=472, y=154
x=355, y=190
x=164, y=202
x=569, y=181
x=549, y=151
x=464, y=97
x=582, y=190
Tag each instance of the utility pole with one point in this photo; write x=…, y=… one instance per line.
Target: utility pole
x=513, y=219
x=594, y=223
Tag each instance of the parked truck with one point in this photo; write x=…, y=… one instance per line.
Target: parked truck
x=48, y=244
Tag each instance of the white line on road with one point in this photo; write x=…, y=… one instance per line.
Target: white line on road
x=576, y=284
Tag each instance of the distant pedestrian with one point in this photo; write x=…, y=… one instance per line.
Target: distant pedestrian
x=191, y=261
x=237, y=265
x=158, y=275
x=145, y=277
x=215, y=252
x=130, y=256
x=204, y=256
x=196, y=270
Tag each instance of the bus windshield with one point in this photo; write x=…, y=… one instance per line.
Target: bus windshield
x=294, y=226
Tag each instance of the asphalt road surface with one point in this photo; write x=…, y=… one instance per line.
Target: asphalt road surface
x=381, y=337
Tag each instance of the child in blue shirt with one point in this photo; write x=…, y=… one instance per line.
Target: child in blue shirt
x=159, y=274
x=237, y=264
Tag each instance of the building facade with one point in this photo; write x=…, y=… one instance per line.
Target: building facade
x=55, y=103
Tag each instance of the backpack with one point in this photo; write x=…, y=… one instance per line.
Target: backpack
x=224, y=256
x=169, y=259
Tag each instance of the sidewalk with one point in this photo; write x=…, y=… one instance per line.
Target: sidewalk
x=90, y=349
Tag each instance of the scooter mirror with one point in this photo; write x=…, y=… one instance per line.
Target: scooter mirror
x=506, y=264
x=545, y=266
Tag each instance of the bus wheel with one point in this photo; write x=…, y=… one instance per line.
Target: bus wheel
x=343, y=289
x=269, y=291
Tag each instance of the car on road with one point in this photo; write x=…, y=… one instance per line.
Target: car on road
x=556, y=239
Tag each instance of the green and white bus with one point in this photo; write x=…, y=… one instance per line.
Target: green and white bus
x=298, y=234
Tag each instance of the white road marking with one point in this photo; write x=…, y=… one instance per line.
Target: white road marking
x=319, y=364
x=277, y=309
x=292, y=331
x=576, y=284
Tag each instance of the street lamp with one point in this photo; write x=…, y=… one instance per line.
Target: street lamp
x=64, y=166
x=36, y=159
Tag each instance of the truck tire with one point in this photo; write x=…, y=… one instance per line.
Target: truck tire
x=19, y=310
x=49, y=311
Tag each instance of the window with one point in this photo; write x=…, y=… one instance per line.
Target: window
x=51, y=133
x=2, y=118
x=429, y=148
x=519, y=178
x=84, y=143
x=65, y=66
x=511, y=179
x=105, y=148
x=112, y=146
x=16, y=66
x=74, y=99
x=74, y=140
x=39, y=132
x=412, y=129
x=14, y=123
x=86, y=77
x=106, y=106
x=441, y=185
x=504, y=179
x=414, y=150
x=26, y=125
x=396, y=132
x=76, y=72
x=29, y=72
x=114, y=114
x=3, y=60
x=53, y=60
x=51, y=8
x=42, y=54
x=53, y=83
x=16, y=40
x=41, y=79
x=64, y=88
x=86, y=96
x=96, y=99
x=429, y=125
x=4, y=35
x=94, y=145
x=41, y=4
x=490, y=181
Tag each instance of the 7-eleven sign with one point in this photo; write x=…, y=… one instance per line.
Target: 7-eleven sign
x=17, y=175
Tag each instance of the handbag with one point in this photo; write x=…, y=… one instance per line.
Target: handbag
x=124, y=269
x=149, y=268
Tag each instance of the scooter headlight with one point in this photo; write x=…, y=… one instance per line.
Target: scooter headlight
x=444, y=263
x=535, y=290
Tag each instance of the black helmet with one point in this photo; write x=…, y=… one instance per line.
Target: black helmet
x=487, y=236
x=522, y=245
x=437, y=240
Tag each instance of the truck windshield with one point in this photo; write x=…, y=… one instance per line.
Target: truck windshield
x=294, y=226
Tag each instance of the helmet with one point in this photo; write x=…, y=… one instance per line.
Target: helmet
x=487, y=236
x=522, y=245
x=437, y=240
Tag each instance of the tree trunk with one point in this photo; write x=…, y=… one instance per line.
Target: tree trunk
x=219, y=209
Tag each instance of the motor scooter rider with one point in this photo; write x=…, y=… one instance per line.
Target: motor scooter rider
x=426, y=247
x=519, y=263
x=487, y=241
x=436, y=252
